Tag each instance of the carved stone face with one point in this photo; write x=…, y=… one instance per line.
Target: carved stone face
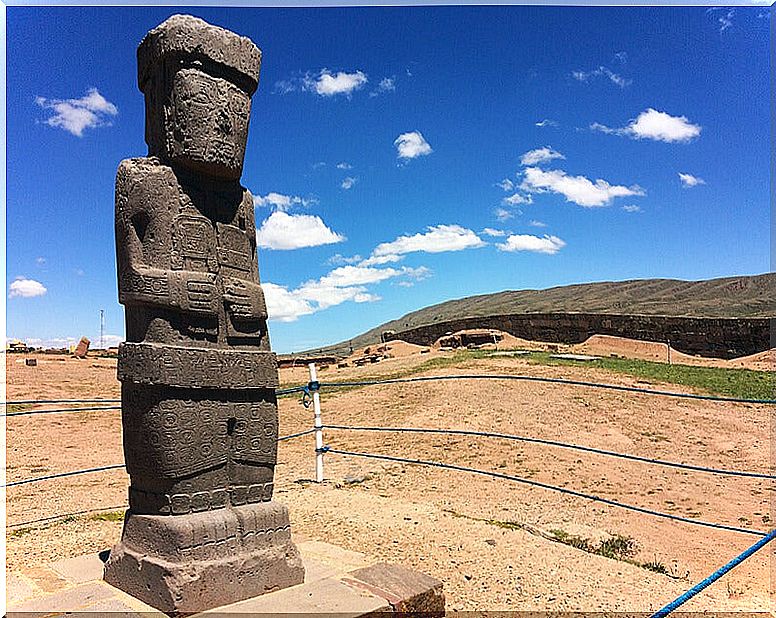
x=206, y=123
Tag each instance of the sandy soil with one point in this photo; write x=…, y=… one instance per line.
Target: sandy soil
x=392, y=349
x=401, y=349
x=606, y=345
x=762, y=361
x=442, y=522
x=507, y=342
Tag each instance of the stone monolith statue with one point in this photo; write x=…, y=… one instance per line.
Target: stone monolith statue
x=198, y=380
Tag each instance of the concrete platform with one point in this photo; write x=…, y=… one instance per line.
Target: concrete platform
x=337, y=582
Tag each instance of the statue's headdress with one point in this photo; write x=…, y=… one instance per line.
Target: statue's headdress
x=191, y=39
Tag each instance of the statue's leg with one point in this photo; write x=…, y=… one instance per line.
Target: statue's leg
x=194, y=534
x=252, y=446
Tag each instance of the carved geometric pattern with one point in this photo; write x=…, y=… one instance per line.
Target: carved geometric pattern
x=196, y=367
x=136, y=283
x=234, y=247
x=182, y=504
x=173, y=438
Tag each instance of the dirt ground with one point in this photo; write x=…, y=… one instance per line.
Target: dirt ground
x=481, y=536
x=606, y=345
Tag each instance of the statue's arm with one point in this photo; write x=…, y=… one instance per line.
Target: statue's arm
x=138, y=235
x=244, y=298
x=182, y=290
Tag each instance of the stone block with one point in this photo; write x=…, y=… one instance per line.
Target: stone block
x=77, y=599
x=408, y=591
x=80, y=569
x=327, y=598
x=184, y=564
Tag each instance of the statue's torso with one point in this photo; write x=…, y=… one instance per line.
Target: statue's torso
x=172, y=226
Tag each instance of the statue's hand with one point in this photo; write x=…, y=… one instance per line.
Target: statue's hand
x=244, y=300
x=200, y=293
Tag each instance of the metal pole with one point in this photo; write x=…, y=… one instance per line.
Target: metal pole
x=102, y=329
x=318, y=424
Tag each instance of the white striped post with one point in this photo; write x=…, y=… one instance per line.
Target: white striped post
x=318, y=426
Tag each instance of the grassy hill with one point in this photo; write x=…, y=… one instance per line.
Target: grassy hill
x=745, y=296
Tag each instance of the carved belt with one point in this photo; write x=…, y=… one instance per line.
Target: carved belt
x=153, y=363
x=182, y=504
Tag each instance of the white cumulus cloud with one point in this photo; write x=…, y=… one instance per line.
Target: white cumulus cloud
x=378, y=260
x=344, y=284
x=506, y=184
x=325, y=296
x=547, y=122
x=517, y=198
x=655, y=125
x=437, y=239
x=525, y=242
x=502, y=214
x=346, y=276
x=74, y=115
x=387, y=84
x=283, y=231
x=577, y=189
x=411, y=145
x=328, y=84
x=348, y=182
x=652, y=124
x=540, y=155
x=631, y=208
x=49, y=342
x=489, y=231
x=282, y=202
x=284, y=305
x=339, y=260
x=108, y=341
x=688, y=180
x=602, y=71
x=25, y=288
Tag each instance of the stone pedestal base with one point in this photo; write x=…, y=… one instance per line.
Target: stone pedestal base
x=183, y=564
x=338, y=583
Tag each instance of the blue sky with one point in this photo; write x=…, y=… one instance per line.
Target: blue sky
x=401, y=157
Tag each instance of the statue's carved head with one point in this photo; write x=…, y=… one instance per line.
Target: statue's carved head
x=198, y=81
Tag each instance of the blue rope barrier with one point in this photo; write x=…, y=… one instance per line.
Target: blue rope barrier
x=288, y=391
x=616, y=387
x=57, y=411
x=62, y=474
x=64, y=515
x=47, y=401
x=297, y=435
x=587, y=449
x=113, y=467
x=563, y=490
x=682, y=599
x=278, y=392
